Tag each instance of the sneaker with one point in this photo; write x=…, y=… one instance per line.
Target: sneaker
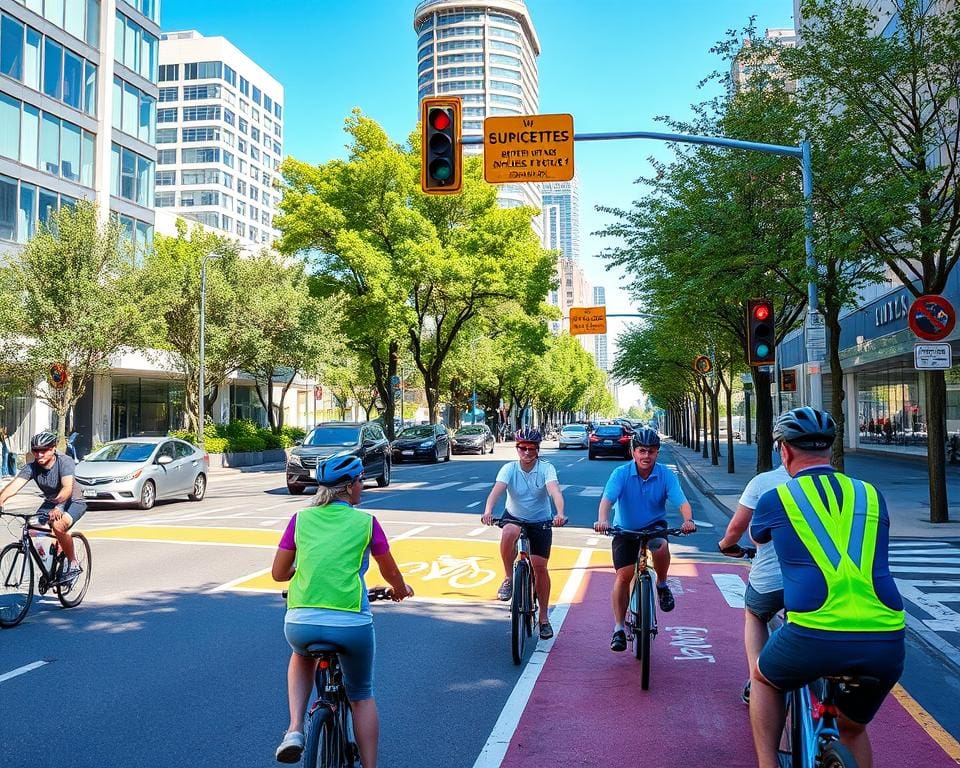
x=666, y=599
x=506, y=590
x=546, y=631
x=70, y=574
x=290, y=748
x=745, y=693
x=618, y=642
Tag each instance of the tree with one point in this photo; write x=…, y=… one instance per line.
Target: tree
x=72, y=299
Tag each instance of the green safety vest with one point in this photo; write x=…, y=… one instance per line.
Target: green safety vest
x=331, y=543
x=842, y=539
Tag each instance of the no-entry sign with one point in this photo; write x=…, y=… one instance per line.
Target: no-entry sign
x=931, y=317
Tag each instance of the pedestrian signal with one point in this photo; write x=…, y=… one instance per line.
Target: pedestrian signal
x=441, y=171
x=761, y=338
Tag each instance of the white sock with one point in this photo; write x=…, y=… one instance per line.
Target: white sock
x=618, y=628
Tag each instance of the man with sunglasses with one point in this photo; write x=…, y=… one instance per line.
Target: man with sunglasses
x=530, y=484
x=63, y=506
x=640, y=490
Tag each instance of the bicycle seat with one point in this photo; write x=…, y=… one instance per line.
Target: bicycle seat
x=320, y=649
x=852, y=680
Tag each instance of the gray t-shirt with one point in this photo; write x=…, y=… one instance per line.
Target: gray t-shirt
x=527, y=497
x=765, y=573
x=50, y=481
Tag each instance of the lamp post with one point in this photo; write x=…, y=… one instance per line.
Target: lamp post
x=203, y=312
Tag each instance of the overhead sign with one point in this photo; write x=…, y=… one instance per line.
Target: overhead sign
x=932, y=357
x=788, y=380
x=585, y=320
x=528, y=148
x=702, y=364
x=931, y=317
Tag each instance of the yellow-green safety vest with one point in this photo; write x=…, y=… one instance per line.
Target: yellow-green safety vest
x=841, y=536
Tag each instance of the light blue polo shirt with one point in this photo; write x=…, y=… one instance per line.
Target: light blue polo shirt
x=640, y=503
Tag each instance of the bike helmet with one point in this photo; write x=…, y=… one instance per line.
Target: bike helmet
x=806, y=428
x=339, y=470
x=645, y=436
x=528, y=435
x=43, y=440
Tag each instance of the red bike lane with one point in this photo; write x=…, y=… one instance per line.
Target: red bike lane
x=587, y=708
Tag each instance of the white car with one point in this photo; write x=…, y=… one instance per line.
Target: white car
x=574, y=436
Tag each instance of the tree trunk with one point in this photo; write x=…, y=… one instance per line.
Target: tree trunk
x=837, y=395
x=728, y=392
x=714, y=428
x=936, y=401
x=706, y=422
x=696, y=418
x=764, y=436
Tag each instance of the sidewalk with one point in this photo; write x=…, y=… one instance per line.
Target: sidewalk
x=904, y=484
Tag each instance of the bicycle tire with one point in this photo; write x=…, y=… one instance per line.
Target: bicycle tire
x=835, y=755
x=70, y=595
x=318, y=723
x=517, y=631
x=634, y=608
x=16, y=566
x=646, y=628
x=530, y=609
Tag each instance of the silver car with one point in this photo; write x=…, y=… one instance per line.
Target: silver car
x=574, y=436
x=141, y=470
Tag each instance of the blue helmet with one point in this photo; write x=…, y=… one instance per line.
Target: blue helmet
x=339, y=470
x=645, y=436
x=528, y=435
x=806, y=428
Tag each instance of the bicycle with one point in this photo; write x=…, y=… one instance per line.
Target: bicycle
x=18, y=561
x=641, y=618
x=523, y=603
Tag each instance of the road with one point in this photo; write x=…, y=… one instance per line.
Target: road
x=177, y=655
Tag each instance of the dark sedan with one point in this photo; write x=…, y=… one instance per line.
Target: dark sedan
x=473, y=438
x=609, y=440
x=364, y=440
x=428, y=442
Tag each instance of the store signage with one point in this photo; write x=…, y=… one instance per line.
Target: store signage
x=889, y=311
x=932, y=357
x=528, y=148
x=788, y=381
x=932, y=317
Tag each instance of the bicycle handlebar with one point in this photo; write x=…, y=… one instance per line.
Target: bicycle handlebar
x=500, y=522
x=735, y=550
x=645, y=533
x=373, y=594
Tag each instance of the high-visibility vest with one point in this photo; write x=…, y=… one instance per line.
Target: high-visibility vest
x=331, y=543
x=841, y=536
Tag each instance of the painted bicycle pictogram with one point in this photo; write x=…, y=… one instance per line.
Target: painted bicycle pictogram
x=460, y=573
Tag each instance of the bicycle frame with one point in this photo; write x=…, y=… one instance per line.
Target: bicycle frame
x=332, y=696
x=813, y=723
x=46, y=580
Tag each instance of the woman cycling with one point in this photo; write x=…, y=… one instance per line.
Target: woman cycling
x=324, y=553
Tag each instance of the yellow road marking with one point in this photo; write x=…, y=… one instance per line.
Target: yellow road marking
x=926, y=721
x=186, y=535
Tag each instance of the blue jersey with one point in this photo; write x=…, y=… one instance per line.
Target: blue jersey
x=640, y=503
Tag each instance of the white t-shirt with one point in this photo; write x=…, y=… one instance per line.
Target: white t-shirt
x=765, y=573
x=527, y=497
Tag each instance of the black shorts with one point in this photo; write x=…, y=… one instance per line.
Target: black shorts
x=626, y=549
x=75, y=508
x=539, y=534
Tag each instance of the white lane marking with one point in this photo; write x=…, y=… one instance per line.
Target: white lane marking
x=229, y=584
x=592, y=541
x=911, y=544
x=412, y=532
x=478, y=531
x=273, y=522
x=473, y=504
x=21, y=670
x=591, y=490
x=493, y=752
x=282, y=504
x=732, y=587
x=441, y=486
x=925, y=558
x=921, y=569
x=475, y=487
x=564, y=487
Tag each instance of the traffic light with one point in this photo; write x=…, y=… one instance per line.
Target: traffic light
x=761, y=339
x=441, y=171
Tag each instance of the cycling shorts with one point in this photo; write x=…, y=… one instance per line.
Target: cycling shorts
x=539, y=534
x=75, y=508
x=356, y=659
x=791, y=659
x=626, y=549
x=763, y=605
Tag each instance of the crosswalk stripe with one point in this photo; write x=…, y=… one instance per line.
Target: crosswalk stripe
x=954, y=560
x=475, y=487
x=922, y=569
x=591, y=490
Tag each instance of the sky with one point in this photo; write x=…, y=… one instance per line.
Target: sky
x=615, y=65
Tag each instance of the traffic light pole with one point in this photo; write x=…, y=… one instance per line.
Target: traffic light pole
x=802, y=153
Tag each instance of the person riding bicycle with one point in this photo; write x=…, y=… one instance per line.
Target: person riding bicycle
x=530, y=483
x=63, y=506
x=763, y=598
x=844, y=612
x=324, y=554
x=640, y=490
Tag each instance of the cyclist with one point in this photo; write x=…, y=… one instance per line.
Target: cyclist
x=324, y=553
x=763, y=598
x=640, y=489
x=530, y=484
x=844, y=613
x=62, y=506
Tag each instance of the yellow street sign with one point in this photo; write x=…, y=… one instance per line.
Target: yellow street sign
x=585, y=320
x=528, y=148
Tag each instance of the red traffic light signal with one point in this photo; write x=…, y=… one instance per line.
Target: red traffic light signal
x=441, y=171
x=761, y=333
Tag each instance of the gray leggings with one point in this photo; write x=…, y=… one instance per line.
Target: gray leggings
x=358, y=644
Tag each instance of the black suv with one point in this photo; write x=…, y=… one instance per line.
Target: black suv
x=427, y=442
x=364, y=440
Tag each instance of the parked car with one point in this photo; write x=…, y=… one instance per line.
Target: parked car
x=141, y=470
x=332, y=437
x=473, y=438
x=609, y=440
x=427, y=442
x=574, y=436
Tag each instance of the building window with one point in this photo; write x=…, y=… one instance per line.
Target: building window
x=169, y=94
x=169, y=72
x=8, y=208
x=11, y=48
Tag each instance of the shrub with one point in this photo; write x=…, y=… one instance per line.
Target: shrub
x=293, y=434
x=241, y=428
x=216, y=444
x=245, y=444
x=184, y=434
x=271, y=441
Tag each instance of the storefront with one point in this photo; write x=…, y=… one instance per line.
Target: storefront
x=145, y=406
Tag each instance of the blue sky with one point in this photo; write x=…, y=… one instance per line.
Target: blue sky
x=614, y=64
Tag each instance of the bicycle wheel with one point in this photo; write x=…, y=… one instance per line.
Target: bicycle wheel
x=835, y=755
x=634, y=609
x=530, y=609
x=316, y=747
x=16, y=584
x=646, y=628
x=797, y=734
x=517, y=632
x=70, y=595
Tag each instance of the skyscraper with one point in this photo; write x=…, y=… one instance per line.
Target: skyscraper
x=600, y=339
x=78, y=99
x=220, y=137
x=561, y=217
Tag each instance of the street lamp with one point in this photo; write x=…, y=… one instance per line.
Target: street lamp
x=203, y=312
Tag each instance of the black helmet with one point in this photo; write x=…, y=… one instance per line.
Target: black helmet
x=645, y=436
x=528, y=435
x=806, y=428
x=43, y=440
x=339, y=470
